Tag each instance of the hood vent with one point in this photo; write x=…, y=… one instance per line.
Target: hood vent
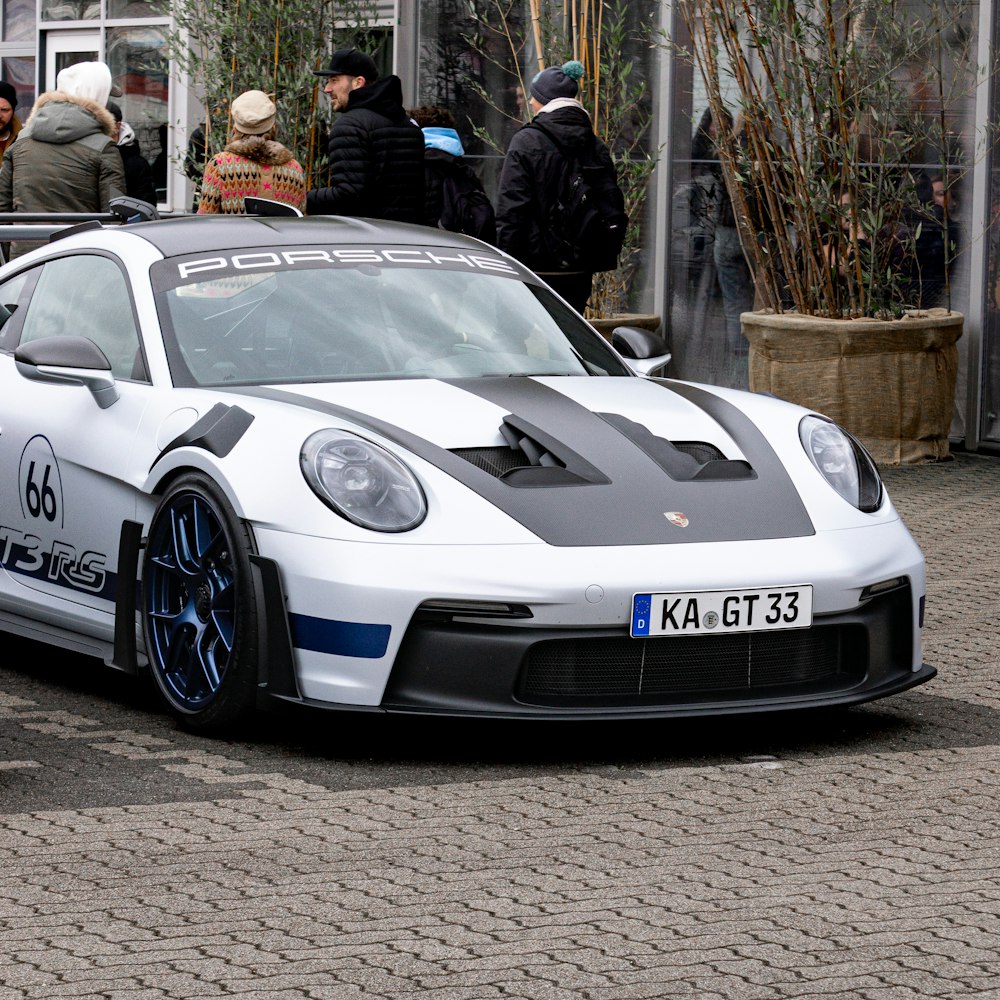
x=496, y=461
x=686, y=461
x=532, y=458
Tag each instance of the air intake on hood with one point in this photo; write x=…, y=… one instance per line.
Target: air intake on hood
x=533, y=458
x=689, y=461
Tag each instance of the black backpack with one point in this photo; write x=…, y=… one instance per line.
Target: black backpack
x=465, y=207
x=587, y=222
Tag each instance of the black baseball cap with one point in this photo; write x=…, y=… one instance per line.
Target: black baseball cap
x=350, y=62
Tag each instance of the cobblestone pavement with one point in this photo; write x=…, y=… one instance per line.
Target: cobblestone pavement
x=836, y=855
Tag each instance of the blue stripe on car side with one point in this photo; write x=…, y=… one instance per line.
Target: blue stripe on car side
x=324, y=635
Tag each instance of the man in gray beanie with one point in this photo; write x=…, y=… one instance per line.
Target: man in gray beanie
x=534, y=178
x=65, y=159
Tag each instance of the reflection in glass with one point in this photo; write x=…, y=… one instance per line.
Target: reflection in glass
x=65, y=59
x=19, y=71
x=18, y=20
x=989, y=422
x=71, y=10
x=140, y=66
x=135, y=9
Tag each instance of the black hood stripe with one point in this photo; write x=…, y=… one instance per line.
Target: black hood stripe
x=627, y=510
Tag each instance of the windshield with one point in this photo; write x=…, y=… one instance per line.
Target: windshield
x=288, y=317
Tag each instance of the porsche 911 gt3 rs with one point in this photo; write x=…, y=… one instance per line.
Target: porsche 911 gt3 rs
x=371, y=466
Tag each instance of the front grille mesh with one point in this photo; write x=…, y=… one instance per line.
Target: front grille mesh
x=572, y=671
x=699, y=450
x=495, y=461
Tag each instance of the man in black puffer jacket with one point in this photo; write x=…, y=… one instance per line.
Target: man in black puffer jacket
x=376, y=149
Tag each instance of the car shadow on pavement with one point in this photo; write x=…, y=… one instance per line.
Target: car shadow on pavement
x=910, y=722
x=371, y=746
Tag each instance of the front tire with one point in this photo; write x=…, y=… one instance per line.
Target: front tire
x=199, y=612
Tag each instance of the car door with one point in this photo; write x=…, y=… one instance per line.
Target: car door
x=65, y=487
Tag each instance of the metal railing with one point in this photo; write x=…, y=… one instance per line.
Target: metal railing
x=41, y=227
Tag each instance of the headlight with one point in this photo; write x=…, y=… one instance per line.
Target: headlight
x=842, y=461
x=362, y=481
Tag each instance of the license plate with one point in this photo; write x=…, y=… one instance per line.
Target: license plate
x=709, y=612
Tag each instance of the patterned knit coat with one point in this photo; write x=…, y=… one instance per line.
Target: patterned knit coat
x=252, y=167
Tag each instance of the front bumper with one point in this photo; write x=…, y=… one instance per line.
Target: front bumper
x=458, y=668
x=579, y=602
x=447, y=667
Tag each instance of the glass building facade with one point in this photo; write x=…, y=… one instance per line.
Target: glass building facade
x=684, y=270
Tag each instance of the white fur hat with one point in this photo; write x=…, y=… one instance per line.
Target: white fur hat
x=89, y=80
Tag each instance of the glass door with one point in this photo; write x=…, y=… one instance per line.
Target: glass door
x=66, y=48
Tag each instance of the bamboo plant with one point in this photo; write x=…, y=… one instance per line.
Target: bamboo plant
x=598, y=33
x=229, y=46
x=842, y=112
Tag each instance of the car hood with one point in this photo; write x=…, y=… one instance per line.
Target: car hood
x=583, y=461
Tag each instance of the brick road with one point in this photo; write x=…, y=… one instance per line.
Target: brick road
x=837, y=855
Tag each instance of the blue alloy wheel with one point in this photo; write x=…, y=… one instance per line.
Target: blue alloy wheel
x=199, y=613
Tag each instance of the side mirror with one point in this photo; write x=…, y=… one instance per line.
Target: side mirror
x=69, y=359
x=133, y=210
x=644, y=351
x=268, y=206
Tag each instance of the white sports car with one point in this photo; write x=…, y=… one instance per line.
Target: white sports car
x=373, y=466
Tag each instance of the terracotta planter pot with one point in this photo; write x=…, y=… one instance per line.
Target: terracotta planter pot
x=890, y=382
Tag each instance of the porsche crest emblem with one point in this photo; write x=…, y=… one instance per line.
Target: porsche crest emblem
x=676, y=518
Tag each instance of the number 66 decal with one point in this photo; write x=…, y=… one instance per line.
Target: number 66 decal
x=39, y=482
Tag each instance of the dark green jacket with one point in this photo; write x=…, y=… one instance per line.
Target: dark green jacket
x=64, y=160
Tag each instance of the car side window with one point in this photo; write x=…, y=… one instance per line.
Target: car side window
x=12, y=294
x=86, y=295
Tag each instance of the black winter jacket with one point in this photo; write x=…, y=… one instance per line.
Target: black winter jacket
x=530, y=181
x=437, y=166
x=376, y=158
x=138, y=173
x=436, y=163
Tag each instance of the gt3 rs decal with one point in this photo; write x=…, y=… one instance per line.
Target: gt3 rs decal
x=22, y=553
x=628, y=508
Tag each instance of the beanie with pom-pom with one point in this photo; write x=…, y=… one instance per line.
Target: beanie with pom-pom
x=557, y=81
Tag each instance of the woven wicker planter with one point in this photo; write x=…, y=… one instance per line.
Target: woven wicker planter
x=889, y=382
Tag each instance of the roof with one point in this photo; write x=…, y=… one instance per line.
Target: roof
x=195, y=233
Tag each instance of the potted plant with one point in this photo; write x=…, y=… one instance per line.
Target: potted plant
x=840, y=112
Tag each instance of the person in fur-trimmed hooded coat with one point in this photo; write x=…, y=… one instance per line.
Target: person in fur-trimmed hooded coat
x=65, y=159
x=252, y=164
